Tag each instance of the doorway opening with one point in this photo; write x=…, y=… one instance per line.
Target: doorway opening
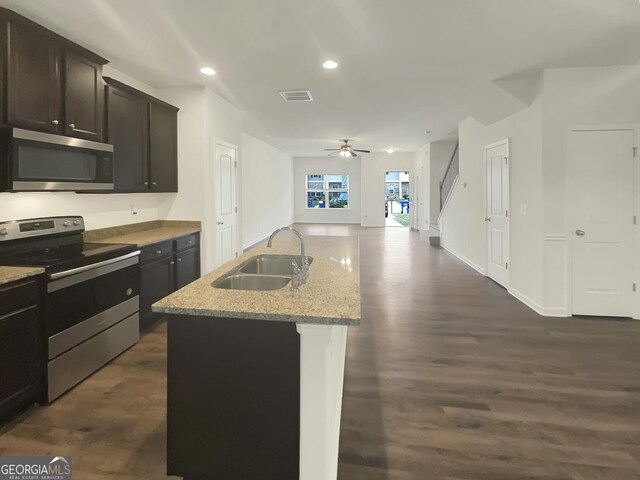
x=396, y=203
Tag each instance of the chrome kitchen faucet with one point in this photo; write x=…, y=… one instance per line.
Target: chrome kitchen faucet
x=300, y=272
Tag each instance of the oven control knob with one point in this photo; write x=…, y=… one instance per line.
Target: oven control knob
x=66, y=224
x=4, y=231
x=76, y=222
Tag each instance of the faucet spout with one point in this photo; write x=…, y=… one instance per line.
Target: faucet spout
x=300, y=272
x=300, y=237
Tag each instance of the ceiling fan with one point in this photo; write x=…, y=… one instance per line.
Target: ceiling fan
x=346, y=150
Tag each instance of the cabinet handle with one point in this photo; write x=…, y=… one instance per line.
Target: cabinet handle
x=172, y=263
x=146, y=183
x=179, y=259
x=154, y=183
x=72, y=126
x=159, y=252
x=55, y=122
x=189, y=242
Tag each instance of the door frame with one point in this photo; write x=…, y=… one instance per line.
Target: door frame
x=569, y=189
x=238, y=191
x=507, y=142
x=384, y=189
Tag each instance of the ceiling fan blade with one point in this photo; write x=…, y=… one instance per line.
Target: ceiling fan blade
x=353, y=153
x=362, y=151
x=332, y=149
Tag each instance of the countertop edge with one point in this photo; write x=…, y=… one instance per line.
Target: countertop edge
x=184, y=231
x=28, y=273
x=274, y=317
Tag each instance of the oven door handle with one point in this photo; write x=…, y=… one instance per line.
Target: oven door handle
x=86, y=268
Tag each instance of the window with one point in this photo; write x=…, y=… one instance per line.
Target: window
x=327, y=191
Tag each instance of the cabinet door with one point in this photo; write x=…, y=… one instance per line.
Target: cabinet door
x=83, y=96
x=156, y=282
x=33, y=81
x=19, y=355
x=163, y=148
x=187, y=267
x=128, y=132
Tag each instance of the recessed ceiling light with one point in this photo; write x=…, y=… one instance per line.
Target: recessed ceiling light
x=390, y=150
x=330, y=64
x=208, y=71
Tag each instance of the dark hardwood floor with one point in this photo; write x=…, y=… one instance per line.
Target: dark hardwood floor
x=448, y=377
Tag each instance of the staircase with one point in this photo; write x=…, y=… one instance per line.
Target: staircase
x=446, y=184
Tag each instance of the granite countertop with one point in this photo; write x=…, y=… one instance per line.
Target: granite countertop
x=143, y=234
x=331, y=295
x=11, y=274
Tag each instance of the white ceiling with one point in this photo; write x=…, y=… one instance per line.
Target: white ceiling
x=406, y=66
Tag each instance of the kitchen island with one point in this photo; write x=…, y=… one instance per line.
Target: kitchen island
x=255, y=378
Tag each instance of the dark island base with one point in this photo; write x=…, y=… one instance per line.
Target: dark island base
x=233, y=403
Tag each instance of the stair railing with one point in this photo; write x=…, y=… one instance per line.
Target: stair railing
x=450, y=175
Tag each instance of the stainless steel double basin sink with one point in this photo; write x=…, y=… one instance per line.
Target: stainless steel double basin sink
x=262, y=272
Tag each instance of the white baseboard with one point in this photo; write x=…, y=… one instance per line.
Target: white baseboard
x=533, y=305
x=476, y=267
x=536, y=307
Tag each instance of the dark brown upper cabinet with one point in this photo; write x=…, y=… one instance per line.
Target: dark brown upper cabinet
x=144, y=133
x=83, y=98
x=128, y=132
x=163, y=147
x=33, y=89
x=49, y=83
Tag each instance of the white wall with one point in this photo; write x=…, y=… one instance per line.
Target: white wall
x=572, y=97
x=327, y=166
x=463, y=228
x=203, y=119
x=267, y=189
x=373, y=169
x=421, y=193
x=540, y=217
x=99, y=210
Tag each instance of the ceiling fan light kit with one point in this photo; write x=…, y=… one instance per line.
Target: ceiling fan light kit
x=346, y=150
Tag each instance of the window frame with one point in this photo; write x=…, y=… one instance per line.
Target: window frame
x=326, y=190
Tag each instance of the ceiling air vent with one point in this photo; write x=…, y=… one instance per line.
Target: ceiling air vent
x=296, y=95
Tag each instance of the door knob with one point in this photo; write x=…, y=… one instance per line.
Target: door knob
x=487, y=219
x=219, y=223
x=580, y=233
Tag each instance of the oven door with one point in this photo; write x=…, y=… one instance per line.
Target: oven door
x=86, y=301
x=42, y=161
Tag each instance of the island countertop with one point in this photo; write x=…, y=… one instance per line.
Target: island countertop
x=331, y=295
x=12, y=274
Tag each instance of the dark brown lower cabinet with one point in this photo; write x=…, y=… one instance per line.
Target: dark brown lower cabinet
x=187, y=267
x=164, y=268
x=233, y=399
x=21, y=346
x=156, y=282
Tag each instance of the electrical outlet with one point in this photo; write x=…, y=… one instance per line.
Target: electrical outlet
x=134, y=210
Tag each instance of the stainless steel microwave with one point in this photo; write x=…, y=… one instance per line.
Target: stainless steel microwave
x=36, y=161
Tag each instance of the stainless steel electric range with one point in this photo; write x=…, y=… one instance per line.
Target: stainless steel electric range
x=92, y=303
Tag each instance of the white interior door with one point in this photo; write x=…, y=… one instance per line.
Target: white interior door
x=225, y=204
x=601, y=173
x=497, y=219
